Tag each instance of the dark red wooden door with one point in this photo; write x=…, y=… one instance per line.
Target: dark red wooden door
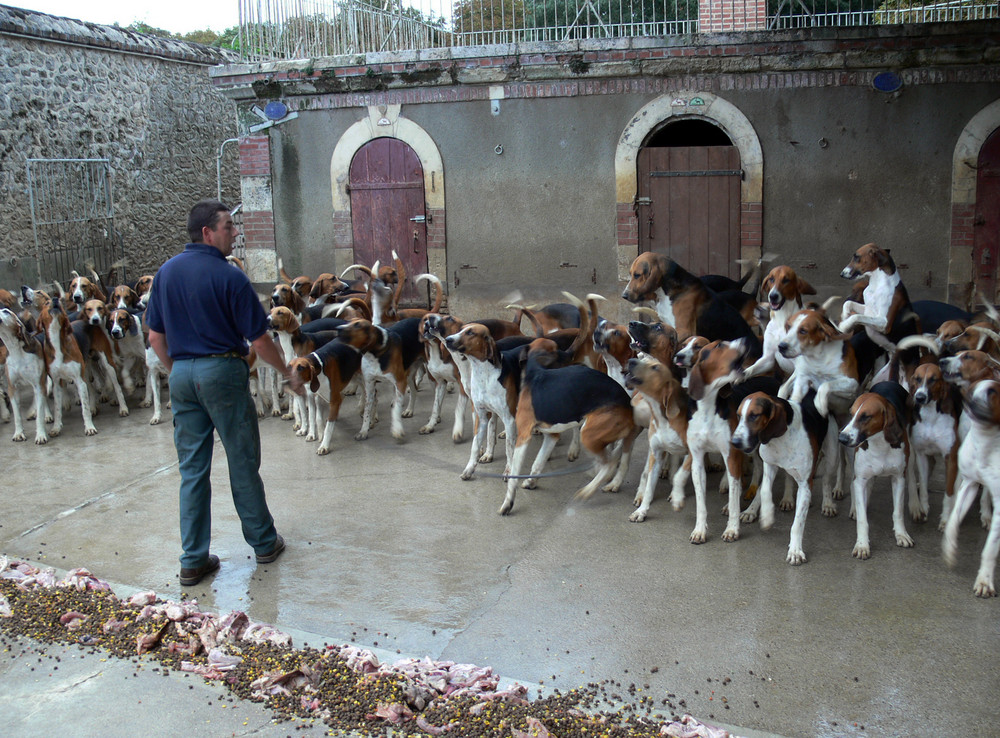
x=387, y=210
x=688, y=206
x=986, y=223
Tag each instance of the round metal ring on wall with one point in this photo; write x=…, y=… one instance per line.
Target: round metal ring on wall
x=499, y=149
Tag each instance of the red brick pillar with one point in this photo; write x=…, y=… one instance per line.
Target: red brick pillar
x=258, y=209
x=717, y=16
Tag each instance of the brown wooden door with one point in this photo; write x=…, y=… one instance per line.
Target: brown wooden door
x=986, y=222
x=387, y=210
x=688, y=206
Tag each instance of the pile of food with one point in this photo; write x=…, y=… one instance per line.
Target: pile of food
x=345, y=687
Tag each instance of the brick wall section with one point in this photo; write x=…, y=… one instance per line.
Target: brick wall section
x=751, y=226
x=258, y=230
x=731, y=15
x=628, y=226
x=962, y=231
x=255, y=156
x=435, y=228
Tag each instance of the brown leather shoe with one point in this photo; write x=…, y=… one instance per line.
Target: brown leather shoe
x=190, y=577
x=279, y=546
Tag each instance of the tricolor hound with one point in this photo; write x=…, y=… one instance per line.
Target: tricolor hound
x=667, y=404
x=789, y=436
x=684, y=302
x=554, y=399
x=979, y=464
x=877, y=430
x=887, y=315
x=390, y=355
x=65, y=348
x=25, y=367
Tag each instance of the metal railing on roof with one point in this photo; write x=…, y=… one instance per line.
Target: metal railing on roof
x=308, y=29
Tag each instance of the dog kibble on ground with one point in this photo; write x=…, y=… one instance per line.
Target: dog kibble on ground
x=314, y=684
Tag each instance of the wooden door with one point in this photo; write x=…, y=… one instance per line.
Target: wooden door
x=986, y=222
x=387, y=210
x=688, y=206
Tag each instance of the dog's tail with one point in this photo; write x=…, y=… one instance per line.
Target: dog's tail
x=438, y=288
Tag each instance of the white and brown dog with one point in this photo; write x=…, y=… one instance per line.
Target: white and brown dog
x=667, y=406
x=878, y=432
x=65, y=349
x=789, y=436
x=25, y=367
x=783, y=290
x=886, y=313
x=125, y=330
x=493, y=387
x=979, y=464
x=710, y=429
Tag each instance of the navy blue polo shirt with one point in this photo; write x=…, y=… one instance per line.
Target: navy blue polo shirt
x=204, y=305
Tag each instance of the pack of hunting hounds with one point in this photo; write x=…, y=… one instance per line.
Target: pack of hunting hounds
x=753, y=374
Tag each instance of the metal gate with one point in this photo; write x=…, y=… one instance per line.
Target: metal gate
x=72, y=217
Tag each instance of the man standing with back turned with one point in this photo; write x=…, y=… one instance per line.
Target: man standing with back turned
x=201, y=313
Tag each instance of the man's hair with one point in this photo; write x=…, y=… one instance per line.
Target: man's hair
x=204, y=213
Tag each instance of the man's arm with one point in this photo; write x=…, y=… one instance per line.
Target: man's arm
x=267, y=351
x=159, y=343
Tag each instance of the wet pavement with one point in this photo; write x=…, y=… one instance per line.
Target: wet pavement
x=388, y=548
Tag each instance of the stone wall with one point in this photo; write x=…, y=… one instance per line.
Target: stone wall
x=75, y=90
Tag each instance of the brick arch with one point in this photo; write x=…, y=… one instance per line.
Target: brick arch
x=385, y=121
x=715, y=110
x=963, y=200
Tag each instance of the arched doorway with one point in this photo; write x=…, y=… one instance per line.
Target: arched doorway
x=688, y=196
x=986, y=220
x=386, y=185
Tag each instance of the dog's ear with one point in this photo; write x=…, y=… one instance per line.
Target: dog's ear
x=23, y=338
x=491, y=350
x=805, y=288
x=893, y=431
x=777, y=422
x=672, y=400
x=314, y=382
x=133, y=327
x=696, y=383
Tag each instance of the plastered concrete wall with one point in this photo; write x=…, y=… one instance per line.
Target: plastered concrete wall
x=70, y=89
x=843, y=164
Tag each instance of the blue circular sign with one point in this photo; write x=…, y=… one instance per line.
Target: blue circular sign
x=887, y=82
x=275, y=110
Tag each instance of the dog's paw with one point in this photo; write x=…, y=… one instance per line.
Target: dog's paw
x=18, y=437
x=698, y=535
x=861, y=551
x=637, y=517
x=795, y=557
x=41, y=440
x=429, y=428
x=903, y=540
x=984, y=587
x=731, y=534
x=322, y=451
x=146, y=403
x=748, y=516
x=155, y=420
x=90, y=432
x=361, y=436
x=829, y=510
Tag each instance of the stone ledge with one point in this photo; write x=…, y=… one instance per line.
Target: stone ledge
x=69, y=30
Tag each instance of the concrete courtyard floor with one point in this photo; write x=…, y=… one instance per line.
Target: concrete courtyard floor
x=388, y=548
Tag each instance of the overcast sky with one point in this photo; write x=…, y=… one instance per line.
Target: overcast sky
x=177, y=16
